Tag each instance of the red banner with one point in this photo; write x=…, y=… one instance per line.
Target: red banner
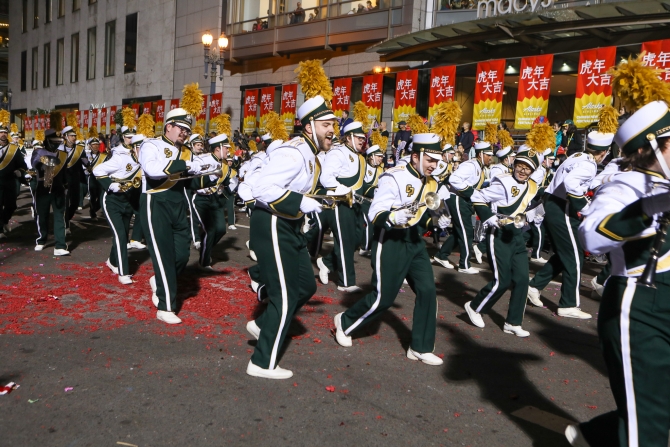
x=267, y=105
x=78, y=115
x=103, y=121
x=136, y=109
x=146, y=108
x=63, y=121
x=215, y=105
x=657, y=53
x=289, y=96
x=27, y=128
x=85, y=126
x=47, y=122
x=442, y=86
x=174, y=103
x=594, y=84
x=250, y=108
x=534, y=82
x=488, y=93
x=202, y=116
x=160, y=117
x=373, y=93
x=41, y=123
x=94, y=119
x=341, y=95
x=112, y=113
x=35, y=124
x=405, y=96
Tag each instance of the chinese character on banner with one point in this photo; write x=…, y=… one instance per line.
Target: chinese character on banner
x=27, y=128
x=103, y=120
x=442, y=87
x=533, y=97
x=373, y=92
x=406, y=83
x=215, y=105
x=78, y=115
x=159, y=118
x=202, y=116
x=289, y=96
x=488, y=93
x=594, y=84
x=63, y=121
x=657, y=53
x=267, y=105
x=94, y=119
x=250, y=110
x=85, y=126
x=341, y=96
x=47, y=122
x=112, y=113
x=174, y=104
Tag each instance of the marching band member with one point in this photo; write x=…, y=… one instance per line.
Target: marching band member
x=116, y=176
x=441, y=175
x=343, y=172
x=196, y=144
x=469, y=176
x=399, y=251
x=208, y=201
x=12, y=167
x=94, y=190
x=137, y=233
x=74, y=171
x=164, y=209
x=291, y=171
x=537, y=232
x=504, y=165
x=229, y=191
x=373, y=170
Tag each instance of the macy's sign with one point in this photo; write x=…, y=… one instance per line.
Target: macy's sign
x=490, y=8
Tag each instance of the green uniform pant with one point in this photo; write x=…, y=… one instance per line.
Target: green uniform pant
x=568, y=256
x=166, y=224
x=44, y=201
x=94, y=196
x=230, y=208
x=192, y=219
x=538, y=237
x=284, y=261
x=138, y=230
x=509, y=263
x=118, y=212
x=83, y=189
x=209, y=211
x=368, y=229
x=634, y=329
x=319, y=225
x=71, y=198
x=255, y=272
x=8, y=196
x=463, y=234
x=343, y=221
x=396, y=255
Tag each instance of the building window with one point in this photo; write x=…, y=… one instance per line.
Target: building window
x=46, y=80
x=74, y=58
x=90, y=54
x=24, y=70
x=24, y=16
x=48, y=11
x=33, y=78
x=36, y=13
x=110, y=47
x=130, y=60
x=90, y=2
x=60, y=60
x=76, y=4
x=61, y=8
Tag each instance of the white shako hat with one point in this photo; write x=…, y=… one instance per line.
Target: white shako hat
x=68, y=130
x=650, y=122
x=128, y=131
x=219, y=141
x=195, y=138
x=355, y=128
x=267, y=138
x=428, y=143
x=523, y=147
x=137, y=139
x=448, y=149
x=598, y=141
x=179, y=117
x=483, y=147
x=504, y=152
x=315, y=109
x=373, y=150
x=529, y=157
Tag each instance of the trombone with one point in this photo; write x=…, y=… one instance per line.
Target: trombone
x=360, y=198
x=330, y=202
x=126, y=184
x=432, y=202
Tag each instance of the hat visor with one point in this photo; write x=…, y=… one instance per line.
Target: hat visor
x=433, y=156
x=326, y=117
x=526, y=162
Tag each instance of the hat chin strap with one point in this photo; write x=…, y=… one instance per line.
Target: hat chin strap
x=314, y=139
x=421, y=164
x=660, y=158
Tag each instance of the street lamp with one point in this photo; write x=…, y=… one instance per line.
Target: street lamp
x=213, y=58
x=6, y=99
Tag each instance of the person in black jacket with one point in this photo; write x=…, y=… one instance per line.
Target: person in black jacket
x=402, y=135
x=572, y=139
x=466, y=139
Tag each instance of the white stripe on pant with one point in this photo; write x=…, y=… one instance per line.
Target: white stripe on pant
x=116, y=235
x=496, y=275
x=624, y=322
x=166, y=289
x=284, y=293
x=578, y=265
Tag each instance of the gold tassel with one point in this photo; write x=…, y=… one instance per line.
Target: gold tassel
x=637, y=84
x=4, y=117
x=191, y=99
x=491, y=134
x=336, y=129
x=608, y=120
x=129, y=120
x=14, y=128
x=221, y=124
x=313, y=80
x=416, y=124
x=252, y=146
x=199, y=130
x=39, y=135
x=379, y=140
x=274, y=125
x=541, y=137
x=146, y=125
x=72, y=120
x=446, y=118
x=93, y=132
x=362, y=115
x=505, y=139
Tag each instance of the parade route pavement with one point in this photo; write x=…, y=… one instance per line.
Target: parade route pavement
x=96, y=368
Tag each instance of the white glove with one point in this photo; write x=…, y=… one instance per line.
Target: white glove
x=492, y=222
x=400, y=217
x=115, y=187
x=28, y=176
x=309, y=205
x=339, y=191
x=194, y=167
x=17, y=173
x=443, y=222
x=659, y=203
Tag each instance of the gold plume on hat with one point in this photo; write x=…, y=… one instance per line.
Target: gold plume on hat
x=129, y=120
x=416, y=124
x=446, y=118
x=221, y=124
x=14, y=128
x=191, y=99
x=199, y=130
x=274, y=125
x=379, y=140
x=56, y=121
x=637, y=84
x=541, y=137
x=93, y=132
x=146, y=125
x=80, y=136
x=505, y=139
x=39, y=135
x=4, y=117
x=252, y=146
x=491, y=133
x=72, y=121
x=608, y=120
x=336, y=129
x=362, y=115
x=313, y=80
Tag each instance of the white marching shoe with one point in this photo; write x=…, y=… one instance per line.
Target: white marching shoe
x=478, y=254
x=67, y=232
x=254, y=284
x=350, y=289
x=444, y=263
x=475, y=317
x=469, y=270
x=428, y=358
x=539, y=260
x=516, y=330
x=340, y=336
x=534, y=297
x=167, y=317
x=152, y=284
x=597, y=287
x=137, y=245
x=575, y=437
x=252, y=254
x=323, y=271
x=253, y=329
x=39, y=247
x=573, y=312
x=114, y=270
x=154, y=300
x=125, y=279
x=232, y=227
x=277, y=373
x=364, y=252
x=206, y=268
x=60, y=252
x=197, y=245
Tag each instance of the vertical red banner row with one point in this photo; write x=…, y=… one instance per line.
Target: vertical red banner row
x=289, y=96
x=405, y=96
x=373, y=94
x=442, y=87
x=594, y=84
x=341, y=96
x=488, y=93
x=534, y=83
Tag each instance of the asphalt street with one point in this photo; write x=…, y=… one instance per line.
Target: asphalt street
x=96, y=368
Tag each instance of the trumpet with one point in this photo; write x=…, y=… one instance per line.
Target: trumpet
x=648, y=277
x=218, y=171
x=127, y=184
x=360, y=199
x=432, y=202
x=49, y=162
x=519, y=220
x=330, y=202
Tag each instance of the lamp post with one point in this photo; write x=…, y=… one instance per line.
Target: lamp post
x=6, y=99
x=214, y=59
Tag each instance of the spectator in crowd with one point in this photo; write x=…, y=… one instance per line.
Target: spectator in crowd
x=317, y=14
x=502, y=125
x=382, y=129
x=298, y=14
x=114, y=139
x=258, y=25
x=103, y=146
x=360, y=9
x=444, y=5
x=572, y=140
x=390, y=161
x=311, y=17
x=344, y=121
x=467, y=139
x=401, y=139
x=368, y=6
x=559, y=136
x=461, y=152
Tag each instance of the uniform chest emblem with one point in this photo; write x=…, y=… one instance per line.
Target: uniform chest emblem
x=311, y=167
x=129, y=167
x=578, y=154
x=168, y=153
x=515, y=191
x=369, y=172
x=409, y=189
x=351, y=159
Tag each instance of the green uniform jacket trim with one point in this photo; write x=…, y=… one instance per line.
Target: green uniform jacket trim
x=483, y=211
x=626, y=224
x=287, y=205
